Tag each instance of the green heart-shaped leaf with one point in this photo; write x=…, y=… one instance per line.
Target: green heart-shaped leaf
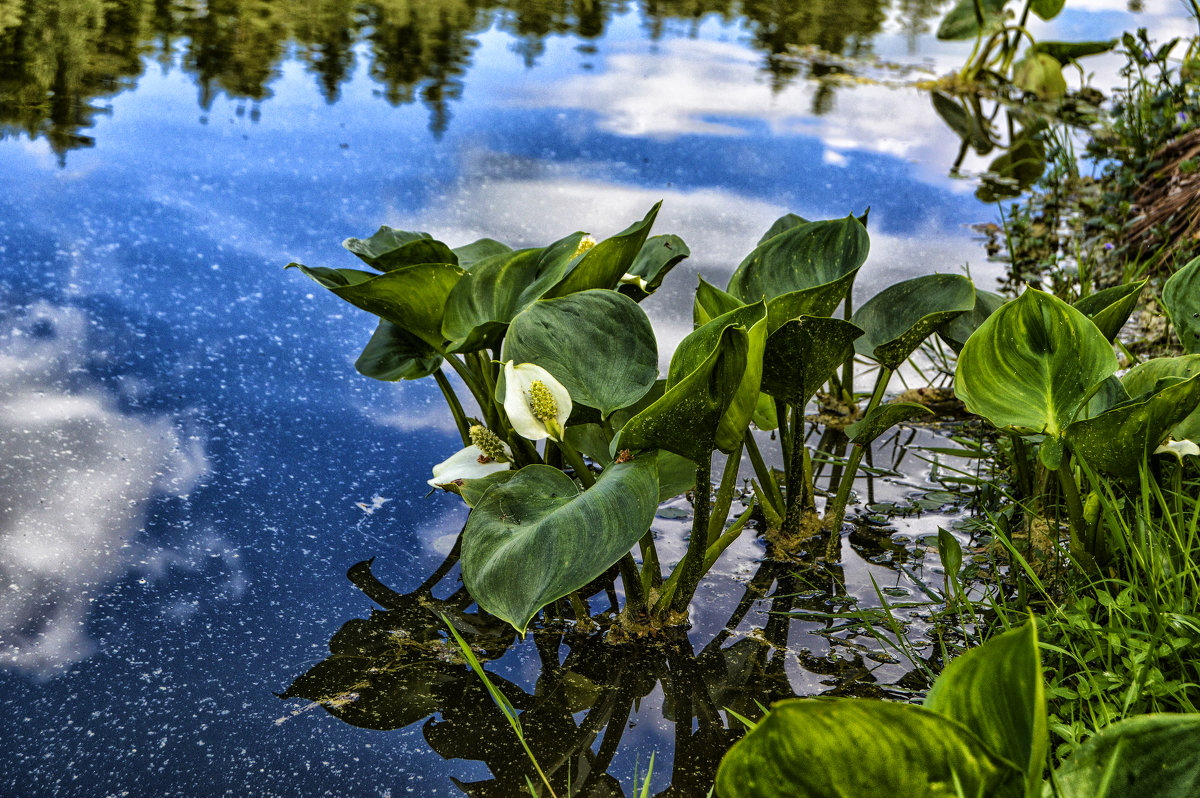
x=411, y=297
x=685, y=419
x=956, y=331
x=603, y=265
x=1117, y=441
x=598, y=343
x=537, y=537
x=818, y=748
x=963, y=22
x=654, y=261
x=390, y=249
x=1033, y=365
x=1151, y=755
x=820, y=256
x=997, y=692
x=1181, y=296
x=1109, y=309
x=900, y=317
x=803, y=353
x=695, y=348
x=1140, y=381
x=883, y=418
x=392, y=354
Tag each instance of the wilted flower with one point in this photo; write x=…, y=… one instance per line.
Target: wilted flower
x=1178, y=448
x=487, y=454
x=537, y=405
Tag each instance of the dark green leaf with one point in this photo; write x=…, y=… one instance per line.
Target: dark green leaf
x=603, y=265
x=1141, y=380
x=1066, y=52
x=598, y=343
x=803, y=353
x=391, y=249
x=782, y=224
x=1109, y=308
x=537, y=537
x=657, y=257
x=1047, y=9
x=854, y=747
x=956, y=331
x=963, y=22
x=1181, y=297
x=392, y=354
x=899, y=318
x=1151, y=755
x=883, y=418
x=470, y=254
x=808, y=256
x=962, y=122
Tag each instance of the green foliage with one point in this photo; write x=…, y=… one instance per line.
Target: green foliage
x=1155, y=755
x=899, y=318
x=1181, y=297
x=393, y=354
x=803, y=353
x=1109, y=308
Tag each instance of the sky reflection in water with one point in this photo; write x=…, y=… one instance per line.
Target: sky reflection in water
x=184, y=446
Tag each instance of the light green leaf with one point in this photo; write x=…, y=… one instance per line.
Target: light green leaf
x=803, y=353
x=598, y=343
x=411, y=297
x=782, y=224
x=1109, y=308
x=1181, y=297
x=883, y=418
x=1041, y=75
x=654, y=261
x=603, y=265
x=997, y=692
x=899, y=318
x=1140, y=381
x=855, y=747
x=1033, y=365
x=392, y=354
x=822, y=257
x=471, y=491
x=684, y=420
x=1150, y=755
x=390, y=249
x=694, y=349
x=537, y=537
x=1117, y=441
x=711, y=302
x=963, y=22
x=1047, y=9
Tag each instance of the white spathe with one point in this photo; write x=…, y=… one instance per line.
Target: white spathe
x=518, y=405
x=465, y=464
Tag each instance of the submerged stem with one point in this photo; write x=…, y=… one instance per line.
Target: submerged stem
x=691, y=567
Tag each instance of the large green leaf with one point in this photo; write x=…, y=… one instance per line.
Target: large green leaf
x=604, y=264
x=392, y=354
x=956, y=331
x=654, y=261
x=598, y=343
x=820, y=256
x=694, y=350
x=1117, y=441
x=470, y=254
x=411, y=297
x=1109, y=308
x=685, y=419
x=997, y=692
x=803, y=353
x=499, y=287
x=390, y=249
x=1181, y=296
x=963, y=21
x=711, y=302
x=1150, y=755
x=782, y=224
x=537, y=537
x=883, y=418
x=1140, y=381
x=899, y=318
x=1032, y=365
x=854, y=747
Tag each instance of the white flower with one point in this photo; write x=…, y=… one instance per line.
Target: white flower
x=1178, y=448
x=537, y=405
x=468, y=463
x=633, y=279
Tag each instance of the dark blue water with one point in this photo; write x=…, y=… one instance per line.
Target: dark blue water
x=188, y=461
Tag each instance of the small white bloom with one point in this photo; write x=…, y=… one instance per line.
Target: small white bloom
x=537, y=405
x=1178, y=448
x=633, y=279
x=468, y=463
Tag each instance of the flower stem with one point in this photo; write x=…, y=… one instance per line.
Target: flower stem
x=691, y=567
x=456, y=408
x=573, y=458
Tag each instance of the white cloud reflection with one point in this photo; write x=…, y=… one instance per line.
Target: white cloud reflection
x=76, y=476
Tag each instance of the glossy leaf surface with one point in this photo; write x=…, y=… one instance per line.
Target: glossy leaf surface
x=470, y=254
x=997, y=692
x=900, y=317
x=603, y=265
x=391, y=249
x=1117, y=440
x=1032, y=365
x=1150, y=755
x=819, y=748
x=956, y=331
x=537, y=537
x=1181, y=296
x=802, y=354
x=821, y=255
x=393, y=354
x=1140, y=380
x=599, y=344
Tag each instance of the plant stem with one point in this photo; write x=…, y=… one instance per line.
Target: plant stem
x=471, y=379
x=1066, y=478
x=765, y=478
x=691, y=567
x=836, y=511
x=720, y=510
x=456, y=408
x=574, y=460
x=634, y=595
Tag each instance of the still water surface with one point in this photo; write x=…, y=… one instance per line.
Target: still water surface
x=189, y=464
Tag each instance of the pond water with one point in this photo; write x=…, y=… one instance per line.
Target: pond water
x=189, y=463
